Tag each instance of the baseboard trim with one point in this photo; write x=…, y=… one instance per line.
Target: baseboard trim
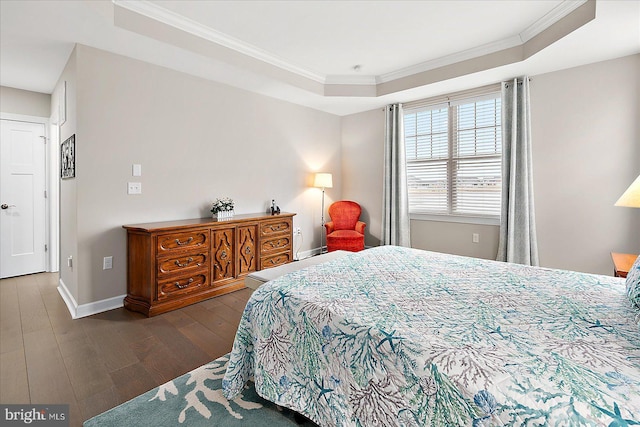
x=84, y=310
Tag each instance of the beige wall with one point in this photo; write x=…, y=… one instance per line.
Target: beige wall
x=586, y=149
x=18, y=101
x=362, y=159
x=196, y=140
x=586, y=152
x=68, y=187
x=455, y=238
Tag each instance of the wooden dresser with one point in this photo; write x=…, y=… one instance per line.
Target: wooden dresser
x=177, y=263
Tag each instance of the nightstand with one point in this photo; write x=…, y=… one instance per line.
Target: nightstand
x=622, y=263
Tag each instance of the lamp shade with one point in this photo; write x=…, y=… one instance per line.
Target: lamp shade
x=323, y=180
x=631, y=197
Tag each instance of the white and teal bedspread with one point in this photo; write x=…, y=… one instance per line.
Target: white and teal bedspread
x=396, y=336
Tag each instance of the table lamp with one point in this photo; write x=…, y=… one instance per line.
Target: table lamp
x=631, y=197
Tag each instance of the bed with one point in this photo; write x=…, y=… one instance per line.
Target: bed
x=397, y=336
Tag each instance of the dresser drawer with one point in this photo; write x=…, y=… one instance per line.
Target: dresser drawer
x=275, y=260
x=271, y=228
x=182, y=285
x=184, y=263
x=275, y=244
x=183, y=241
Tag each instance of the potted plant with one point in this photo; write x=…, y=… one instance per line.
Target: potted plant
x=222, y=208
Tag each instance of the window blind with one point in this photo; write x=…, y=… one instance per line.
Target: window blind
x=454, y=155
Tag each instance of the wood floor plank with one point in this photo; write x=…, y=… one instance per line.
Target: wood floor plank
x=11, y=340
x=229, y=314
x=134, y=330
x=213, y=320
x=33, y=313
x=113, y=349
x=97, y=362
x=132, y=381
x=190, y=354
x=86, y=372
x=14, y=387
x=179, y=318
x=9, y=307
x=158, y=360
x=98, y=403
x=238, y=299
x=47, y=375
x=212, y=343
x=10, y=322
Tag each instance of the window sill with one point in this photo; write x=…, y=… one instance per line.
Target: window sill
x=456, y=218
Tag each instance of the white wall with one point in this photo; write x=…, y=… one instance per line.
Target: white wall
x=586, y=149
x=196, y=140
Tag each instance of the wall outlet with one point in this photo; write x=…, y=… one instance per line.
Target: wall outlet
x=107, y=263
x=297, y=231
x=475, y=238
x=134, y=188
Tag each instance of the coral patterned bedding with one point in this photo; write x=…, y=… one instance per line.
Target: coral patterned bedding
x=397, y=336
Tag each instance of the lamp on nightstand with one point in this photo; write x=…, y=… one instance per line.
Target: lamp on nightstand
x=323, y=180
x=631, y=197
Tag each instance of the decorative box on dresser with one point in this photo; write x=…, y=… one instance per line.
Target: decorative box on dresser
x=176, y=263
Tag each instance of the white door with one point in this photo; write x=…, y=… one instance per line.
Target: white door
x=22, y=198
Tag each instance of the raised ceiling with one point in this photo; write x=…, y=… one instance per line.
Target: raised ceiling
x=337, y=56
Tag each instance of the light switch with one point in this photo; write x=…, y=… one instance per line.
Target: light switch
x=107, y=263
x=134, y=188
x=137, y=170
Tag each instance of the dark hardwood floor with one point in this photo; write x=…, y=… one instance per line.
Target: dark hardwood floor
x=97, y=362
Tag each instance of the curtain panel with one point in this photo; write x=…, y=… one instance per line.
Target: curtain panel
x=518, y=242
x=395, y=209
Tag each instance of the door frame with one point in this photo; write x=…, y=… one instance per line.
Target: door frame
x=51, y=185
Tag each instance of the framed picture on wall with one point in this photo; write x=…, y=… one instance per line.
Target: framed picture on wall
x=68, y=158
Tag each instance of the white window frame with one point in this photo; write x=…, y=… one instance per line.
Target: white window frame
x=451, y=101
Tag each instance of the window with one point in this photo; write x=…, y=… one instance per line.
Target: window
x=454, y=157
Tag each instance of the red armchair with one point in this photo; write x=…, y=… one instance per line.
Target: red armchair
x=345, y=231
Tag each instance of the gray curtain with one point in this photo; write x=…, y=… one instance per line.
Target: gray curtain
x=395, y=210
x=518, y=242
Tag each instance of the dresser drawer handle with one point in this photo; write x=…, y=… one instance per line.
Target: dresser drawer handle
x=185, y=264
x=179, y=286
x=186, y=242
x=276, y=244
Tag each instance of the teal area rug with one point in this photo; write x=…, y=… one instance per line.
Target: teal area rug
x=195, y=399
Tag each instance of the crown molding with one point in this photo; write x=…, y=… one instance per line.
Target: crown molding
x=556, y=14
x=158, y=13
x=350, y=80
x=153, y=11
x=450, y=59
x=559, y=12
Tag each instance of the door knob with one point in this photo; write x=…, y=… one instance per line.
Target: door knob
x=6, y=206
